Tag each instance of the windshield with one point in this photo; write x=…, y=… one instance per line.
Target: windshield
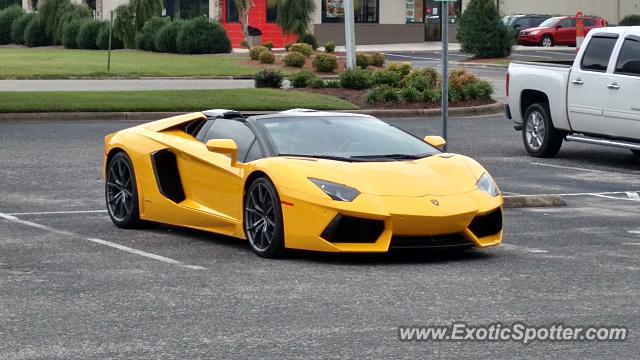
x=549, y=22
x=343, y=138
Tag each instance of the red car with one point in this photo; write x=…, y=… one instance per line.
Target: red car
x=557, y=31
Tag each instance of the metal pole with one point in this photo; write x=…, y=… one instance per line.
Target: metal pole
x=350, y=34
x=445, y=69
x=110, y=34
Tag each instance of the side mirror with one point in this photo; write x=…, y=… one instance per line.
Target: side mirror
x=436, y=141
x=224, y=146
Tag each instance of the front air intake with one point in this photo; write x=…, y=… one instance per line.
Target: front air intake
x=347, y=229
x=487, y=225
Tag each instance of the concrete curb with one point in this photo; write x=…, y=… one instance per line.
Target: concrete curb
x=529, y=201
x=478, y=65
x=490, y=109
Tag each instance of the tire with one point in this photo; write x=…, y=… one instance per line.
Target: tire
x=541, y=139
x=263, y=225
x=547, y=41
x=121, y=192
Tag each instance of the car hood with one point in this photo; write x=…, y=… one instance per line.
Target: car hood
x=535, y=28
x=445, y=174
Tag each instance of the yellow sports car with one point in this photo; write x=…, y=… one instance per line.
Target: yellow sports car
x=300, y=179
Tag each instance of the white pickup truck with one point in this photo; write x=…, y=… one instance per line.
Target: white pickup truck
x=595, y=100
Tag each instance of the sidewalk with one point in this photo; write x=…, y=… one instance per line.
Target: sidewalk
x=122, y=85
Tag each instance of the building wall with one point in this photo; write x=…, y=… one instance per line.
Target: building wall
x=612, y=10
x=107, y=6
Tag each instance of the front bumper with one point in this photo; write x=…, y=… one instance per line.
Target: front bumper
x=375, y=224
x=528, y=40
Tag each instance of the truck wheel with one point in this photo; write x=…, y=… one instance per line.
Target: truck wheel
x=547, y=41
x=540, y=137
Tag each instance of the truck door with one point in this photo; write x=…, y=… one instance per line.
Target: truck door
x=588, y=94
x=622, y=110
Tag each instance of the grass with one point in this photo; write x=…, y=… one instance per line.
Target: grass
x=168, y=101
x=57, y=63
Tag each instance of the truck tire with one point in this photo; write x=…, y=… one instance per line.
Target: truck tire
x=541, y=139
x=547, y=41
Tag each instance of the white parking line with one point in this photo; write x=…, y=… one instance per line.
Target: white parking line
x=100, y=241
x=634, y=232
x=614, y=198
x=59, y=212
x=558, y=53
x=531, y=56
x=524, y=248
x=572, y=168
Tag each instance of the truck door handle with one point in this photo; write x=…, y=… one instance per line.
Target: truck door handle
x=577, y=81
x=614, y=86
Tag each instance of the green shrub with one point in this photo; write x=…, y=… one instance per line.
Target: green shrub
x=317, y=83
x=387, y=77
x=391, y=94
x=374, y=95
x=325, y=63
x=268, y=78
x=146, y=38
x=302, y=79
x=166, y=38
x=144, y=11
x=294, y=59
x=422, y=79
x=255, y=52
x=70, y=33
x=288, y=45
x=482, y=33
x=330, y=47
x=7, y=17
x=18, y=27
x=356, y=79
x=304, y=49
x=362, y=60
x=479, y=90
x=409, y=94
x=308, y=39
x=267, y=57
x=88, y=34
x=102, y=40
x=403, y=69
x=630, y=20
x=333, y=84
x=123, y=25
x=268, y=45
x=198, y=36
x=71, y=12
x=431, y=96
x=50, y=12
x=376, y=59
x=34, y=33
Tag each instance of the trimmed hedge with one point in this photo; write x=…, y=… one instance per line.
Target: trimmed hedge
x=102, y=40
x=88, y=34
x=123, y=25
x=294, y=59
x=268, y=78
x=267, y=57
x=325, y=63
x=304, y=49
x=72, y=12
x=356, y=79
x=376, y=59
x=254, y=53
x=18, y=27
x=302, y=79
x=308, y=39
x=166, y=38
x=70, y=33
x=362, y=60
x=146, y=38
x=7, y=17
x=330, y=47
x=34, y=33
x=198, y=36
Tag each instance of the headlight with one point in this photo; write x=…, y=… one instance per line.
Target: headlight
x=486, y=184
x=535, y=32
x=335, y=191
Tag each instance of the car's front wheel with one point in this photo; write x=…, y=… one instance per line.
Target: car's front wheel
x=263, y=225
x=121, y=192
x=540, y=137
x=547, y=41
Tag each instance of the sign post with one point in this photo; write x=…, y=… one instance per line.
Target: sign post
x=350, y=33
x=445, y=67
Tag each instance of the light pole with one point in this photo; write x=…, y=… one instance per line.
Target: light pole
x=350, y=34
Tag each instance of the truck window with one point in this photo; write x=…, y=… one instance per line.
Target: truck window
x=629, y=58
x=598, y=53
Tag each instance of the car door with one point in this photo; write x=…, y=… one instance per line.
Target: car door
x=211, y=184
x=587, y=93
x=566, y=32
x=622, y=111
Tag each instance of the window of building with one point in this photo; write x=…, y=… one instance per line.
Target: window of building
x=365, y=11
x=186, y=9
x=272, y=10
x=598, y=53
x=232, y=11
x=629, y=58
x=417, y=10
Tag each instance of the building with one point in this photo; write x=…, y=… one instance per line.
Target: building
x=377, y=21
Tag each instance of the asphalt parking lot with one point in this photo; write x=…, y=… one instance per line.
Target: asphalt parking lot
x=75, y=287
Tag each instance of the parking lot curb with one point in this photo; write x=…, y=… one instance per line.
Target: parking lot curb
x=529, y=201
x=490, y=109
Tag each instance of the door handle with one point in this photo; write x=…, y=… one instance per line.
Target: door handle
x=577, y=81
x=614, y=86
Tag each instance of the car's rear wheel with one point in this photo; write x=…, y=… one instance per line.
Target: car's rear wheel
x=547, y=41
x=121, y=192
x=540, y=137
x=263, y=225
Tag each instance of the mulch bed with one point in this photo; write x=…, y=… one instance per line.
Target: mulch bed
x=342, y=64
x=358, y=98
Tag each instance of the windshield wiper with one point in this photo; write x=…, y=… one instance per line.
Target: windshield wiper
x=393, y=156
x=325, y=157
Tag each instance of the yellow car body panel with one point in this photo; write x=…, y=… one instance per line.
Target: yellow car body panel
x=434, y=196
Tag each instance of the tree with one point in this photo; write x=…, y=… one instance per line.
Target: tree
x=294, y=16
x=244, y=6
x=482, y=33
x=144, y=10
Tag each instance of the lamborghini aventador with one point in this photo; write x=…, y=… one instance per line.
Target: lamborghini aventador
x=300, y=179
